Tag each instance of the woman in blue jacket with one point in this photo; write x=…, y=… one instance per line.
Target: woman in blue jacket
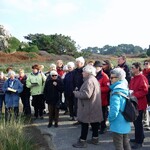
x=12, y=88
x=118, y=125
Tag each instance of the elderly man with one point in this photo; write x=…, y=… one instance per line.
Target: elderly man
x=77, y=80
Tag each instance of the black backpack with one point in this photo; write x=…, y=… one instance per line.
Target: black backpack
x=130, y=112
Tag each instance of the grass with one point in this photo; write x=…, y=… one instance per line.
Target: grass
x=13, y=137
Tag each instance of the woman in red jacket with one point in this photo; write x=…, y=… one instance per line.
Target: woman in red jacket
x=103, y=79
x=139, y=86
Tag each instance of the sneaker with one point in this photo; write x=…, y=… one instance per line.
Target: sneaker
x=80, y=144
x=49, y=125
x=94, y=141
x=56, y=125
x=136, y=146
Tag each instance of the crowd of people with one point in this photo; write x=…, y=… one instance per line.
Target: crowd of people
x=89, y=92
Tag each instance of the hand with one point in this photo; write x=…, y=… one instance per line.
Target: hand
x=54, y=83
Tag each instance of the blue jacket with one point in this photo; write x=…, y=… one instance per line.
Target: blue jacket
x=117, y=103
x=12, y=98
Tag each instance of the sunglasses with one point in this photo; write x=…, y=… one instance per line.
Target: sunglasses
x=113, y=77
x=146, y=63
x=54, y=75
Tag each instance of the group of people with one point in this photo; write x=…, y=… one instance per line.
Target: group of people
x=89, y=91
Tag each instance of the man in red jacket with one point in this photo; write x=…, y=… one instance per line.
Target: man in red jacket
x=139, y=85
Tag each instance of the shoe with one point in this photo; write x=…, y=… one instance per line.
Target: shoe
x=102, y=131
x=136, y=146
x=56, y=125
x=49, y=125
x=41, y=117
x=132, y=140
x=94, y=141
x=76, y=123
x=71, y=119
x=80, y=144
x=147, y=128
x=66, y=113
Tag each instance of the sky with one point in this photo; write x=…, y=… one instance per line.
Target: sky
x=89, y=23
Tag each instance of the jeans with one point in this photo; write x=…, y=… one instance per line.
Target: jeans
x=85, y=127
x=121, y=141
x=9, y=111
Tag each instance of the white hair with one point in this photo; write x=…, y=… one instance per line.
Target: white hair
x=53, y=66
x=65, y=67
x=119, y=72
x=71, y=64
x=11, y=73
x=90, y=70
x=80, y=59
x=53, y=72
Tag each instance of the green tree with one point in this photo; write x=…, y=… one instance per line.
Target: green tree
x=57, y=43
x=13, y=45
x=148, y=51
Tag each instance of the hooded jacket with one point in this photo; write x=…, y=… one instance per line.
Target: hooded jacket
x=117, y=104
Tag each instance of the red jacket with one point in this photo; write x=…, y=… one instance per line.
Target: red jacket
x=60, y=71
x=104, y=86
x=139, y=85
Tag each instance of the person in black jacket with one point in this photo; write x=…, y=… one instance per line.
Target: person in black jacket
x=77, y=80
x=122, y=64
x=25, y=94
x=52, y=90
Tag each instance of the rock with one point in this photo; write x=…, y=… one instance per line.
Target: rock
x=4, y=37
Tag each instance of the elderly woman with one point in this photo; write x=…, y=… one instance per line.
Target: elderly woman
x=52, y=91
x=68, y=89
x=118, y=125
x=36, y=81
x=89, y=107
x=12, y=88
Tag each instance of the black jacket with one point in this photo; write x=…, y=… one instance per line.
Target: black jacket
x=51, y=92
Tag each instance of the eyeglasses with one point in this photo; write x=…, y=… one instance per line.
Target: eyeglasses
x=113, y=77
x=54, y=75
x=132, y=67
x=146, y=63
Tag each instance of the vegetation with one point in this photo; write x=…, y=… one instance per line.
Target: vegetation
x=116, y=50
x=57, y=43
x=13, y=137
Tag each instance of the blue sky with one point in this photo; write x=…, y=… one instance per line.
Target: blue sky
x=88, y=22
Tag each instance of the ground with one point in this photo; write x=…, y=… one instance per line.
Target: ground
x=37, y=137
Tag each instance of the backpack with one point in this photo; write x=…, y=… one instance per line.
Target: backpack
x=130, y=112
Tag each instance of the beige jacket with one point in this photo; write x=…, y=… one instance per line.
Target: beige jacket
x=89, y=101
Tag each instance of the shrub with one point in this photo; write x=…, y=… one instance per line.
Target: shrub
x=12, y=136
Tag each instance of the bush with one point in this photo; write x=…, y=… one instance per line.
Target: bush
x=32, y=48
x=12, y=136
x=143, y=55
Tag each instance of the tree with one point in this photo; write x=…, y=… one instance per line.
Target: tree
x=148, y=51
x=13, y=45
x=57, y=43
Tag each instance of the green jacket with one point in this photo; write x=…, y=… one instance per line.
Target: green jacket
x=36, y=83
